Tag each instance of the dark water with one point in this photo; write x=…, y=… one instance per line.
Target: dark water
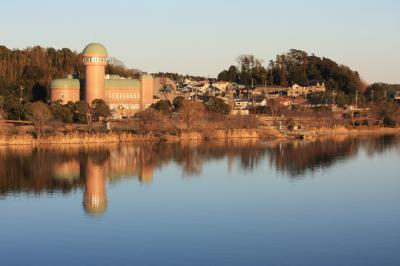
x=328, y=202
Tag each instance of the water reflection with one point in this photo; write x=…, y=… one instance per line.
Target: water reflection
x=88, y=168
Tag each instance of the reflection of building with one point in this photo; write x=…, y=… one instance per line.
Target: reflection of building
x=146, y=173
x=68, y=171
x=95, y=197
x=124, y=96
x=96, y=166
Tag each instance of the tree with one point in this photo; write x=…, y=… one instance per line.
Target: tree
x=151, y=121
x=14, y=108
x=39, y=113
x=217, y=105
x=2, y=112
x=163, y=106
x=295, y=66
x=178, y=101
x=100, y=109
x=62, y=112
x=81, y=111
x=34, y=68
x=192, y=114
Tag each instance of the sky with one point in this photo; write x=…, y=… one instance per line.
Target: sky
x=205, y=37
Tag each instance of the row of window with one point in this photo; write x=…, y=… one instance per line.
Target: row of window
x=116, y=95
x=95, y=60
x=124, y=106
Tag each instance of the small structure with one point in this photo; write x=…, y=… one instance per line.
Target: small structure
x=241, y=104
x=397, y=97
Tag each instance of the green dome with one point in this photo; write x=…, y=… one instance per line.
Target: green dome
x=146, y=76
x=95, y=49
x=122, y=84
x=65, y=84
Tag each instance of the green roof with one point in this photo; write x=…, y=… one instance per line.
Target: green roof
x=65, y=84
x=122, y=83
x=95, y=49
x=146, y=76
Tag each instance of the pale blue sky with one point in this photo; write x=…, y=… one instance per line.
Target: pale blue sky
x=203, y=37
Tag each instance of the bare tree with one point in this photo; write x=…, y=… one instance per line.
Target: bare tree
x=192, y=114
x=40, y=114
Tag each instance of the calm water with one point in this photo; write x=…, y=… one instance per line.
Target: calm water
x=330, y=202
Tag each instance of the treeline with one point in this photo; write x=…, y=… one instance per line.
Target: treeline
x=33, y=69
x=294, y=67
x=178, y=77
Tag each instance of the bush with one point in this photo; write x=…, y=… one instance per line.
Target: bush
x=217, y=105
x=163, y=106
x=62, y=112
x=192, y=114
x=100, y=109
x=152, y=122
x=178, y=101
x=389, y=121
x=81, y=110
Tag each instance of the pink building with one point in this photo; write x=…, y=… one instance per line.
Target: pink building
x=125, y=97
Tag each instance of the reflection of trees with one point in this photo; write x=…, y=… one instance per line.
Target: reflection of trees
x=381, y=144
x=50, y=169
x=295, y=158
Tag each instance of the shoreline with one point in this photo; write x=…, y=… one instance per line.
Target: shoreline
x=232, y=134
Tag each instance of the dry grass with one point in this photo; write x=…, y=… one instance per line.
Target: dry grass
x=74, y=138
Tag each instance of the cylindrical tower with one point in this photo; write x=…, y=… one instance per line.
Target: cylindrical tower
x=147, y=84
x=65, y=90
x=95, y=59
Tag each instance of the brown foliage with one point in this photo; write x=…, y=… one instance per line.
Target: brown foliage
x=192, y=114
x=40, y=114
x=153, y=122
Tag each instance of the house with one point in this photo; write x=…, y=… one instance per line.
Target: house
x=260, y=102
x=297, y=90
x=397, y=97
x=312, y=87
x=240, y=104
x=221, y=85
x=290, y=101
x=164, y=85
x=273, y=91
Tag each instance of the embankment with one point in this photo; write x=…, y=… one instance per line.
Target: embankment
x=86, y=138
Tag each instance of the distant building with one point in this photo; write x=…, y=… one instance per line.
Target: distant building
x=125, y=97
x=164, y=85
x=290, y=101
x=397, y=97
x=297, y=90
x=271, y=91
x=221, y=85
x=241, y=104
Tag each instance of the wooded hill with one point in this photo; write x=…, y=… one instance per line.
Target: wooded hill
x=294, y=67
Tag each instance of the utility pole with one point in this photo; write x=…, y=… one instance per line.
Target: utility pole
x=356, y=100
x=21, y=89
x=333, y=98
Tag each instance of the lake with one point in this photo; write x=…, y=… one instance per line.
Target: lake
x=334, y=201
